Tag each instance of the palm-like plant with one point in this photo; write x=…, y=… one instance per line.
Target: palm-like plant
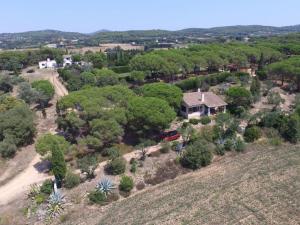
x=33, y=191
x=105, y=185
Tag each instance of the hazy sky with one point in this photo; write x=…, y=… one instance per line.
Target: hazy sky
x=93, y=15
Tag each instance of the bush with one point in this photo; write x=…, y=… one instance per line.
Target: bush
x=116, y=166
x=7, y=149
x=205, y=120
x=220, y=150
x=126, y=184
x=194, y=121
x=165, y=147
x=239, y=145
x=71, y=180
x=262, y=74
x=228, y=145
x=252, y=133
x=196, y=155
x=112, y=153
x=47, y=187
x=97, y=197
x=276, y=141
x=88, y=165
x=133, y=167
x=174, y=145
x=40, y=198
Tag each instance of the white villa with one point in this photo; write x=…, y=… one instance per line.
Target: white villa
x=67, y=60
x=197, y=104
x=48, y=64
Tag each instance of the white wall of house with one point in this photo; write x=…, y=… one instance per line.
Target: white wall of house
x=49, y=64
x=193, y=112
x=67, y=61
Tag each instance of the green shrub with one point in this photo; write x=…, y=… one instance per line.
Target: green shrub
x=126, y=184
x=271, y=132
x=133, y=167
x=47, y=187
x=239, y=145
x=112, y=152
x=205, y=120
x=276, y=141
x=252, y=133
x=40, y=198
x=165, y=147
x=194, y=121
x=7, y=149
x=220, y=150
x=97, y=197
x=71, y=180
x=196, y=155
x=116, y=166
x=228, y=145
x=174, y=145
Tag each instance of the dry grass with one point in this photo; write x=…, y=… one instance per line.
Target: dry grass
x=258, y=187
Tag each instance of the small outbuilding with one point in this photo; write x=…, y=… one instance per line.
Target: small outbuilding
x=197, y=104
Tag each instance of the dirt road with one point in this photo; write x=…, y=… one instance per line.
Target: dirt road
x=12, y=188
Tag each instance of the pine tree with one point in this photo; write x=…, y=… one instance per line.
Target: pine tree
x=255, y=88
x=261, y=62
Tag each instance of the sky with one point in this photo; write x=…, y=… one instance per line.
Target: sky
x=93, y=15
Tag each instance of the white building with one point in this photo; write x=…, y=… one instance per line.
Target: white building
x=51, y=46
x=48, y=64
x=67, y=60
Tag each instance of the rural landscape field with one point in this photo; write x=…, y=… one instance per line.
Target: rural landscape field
x=150, y=113
x=260, y=186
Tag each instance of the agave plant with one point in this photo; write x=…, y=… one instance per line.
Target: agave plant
x=105, y=185
x=55, y=204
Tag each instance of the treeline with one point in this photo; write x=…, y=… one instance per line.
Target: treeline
x=286, y=71
x=17, y=60
x=16, y=125
x=211, y=58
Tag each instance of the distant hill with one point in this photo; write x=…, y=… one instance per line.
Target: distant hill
x=38, y=38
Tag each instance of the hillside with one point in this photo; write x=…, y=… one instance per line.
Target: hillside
x=260, y=186
x=37, y=38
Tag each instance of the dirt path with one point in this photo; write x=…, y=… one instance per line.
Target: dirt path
x=14, y=182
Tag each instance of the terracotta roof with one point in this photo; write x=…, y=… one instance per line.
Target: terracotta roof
x=210, y=99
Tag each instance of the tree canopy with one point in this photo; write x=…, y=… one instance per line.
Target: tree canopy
x=170, y=93
x=147, y=114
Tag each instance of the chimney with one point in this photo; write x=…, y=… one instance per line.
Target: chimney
x=202, y=97
x=199, y=90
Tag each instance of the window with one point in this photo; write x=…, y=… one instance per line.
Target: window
x=194, y=109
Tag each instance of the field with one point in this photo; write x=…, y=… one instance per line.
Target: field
x=104, y=47
x=261, y=186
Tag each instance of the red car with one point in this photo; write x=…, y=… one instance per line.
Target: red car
x=170, y=135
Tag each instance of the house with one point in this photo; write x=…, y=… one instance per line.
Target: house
x=48, y=64
x=51, y=46
x=197, y=104
x=67, y=60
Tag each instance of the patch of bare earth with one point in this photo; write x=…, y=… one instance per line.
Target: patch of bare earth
x=260, y=186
